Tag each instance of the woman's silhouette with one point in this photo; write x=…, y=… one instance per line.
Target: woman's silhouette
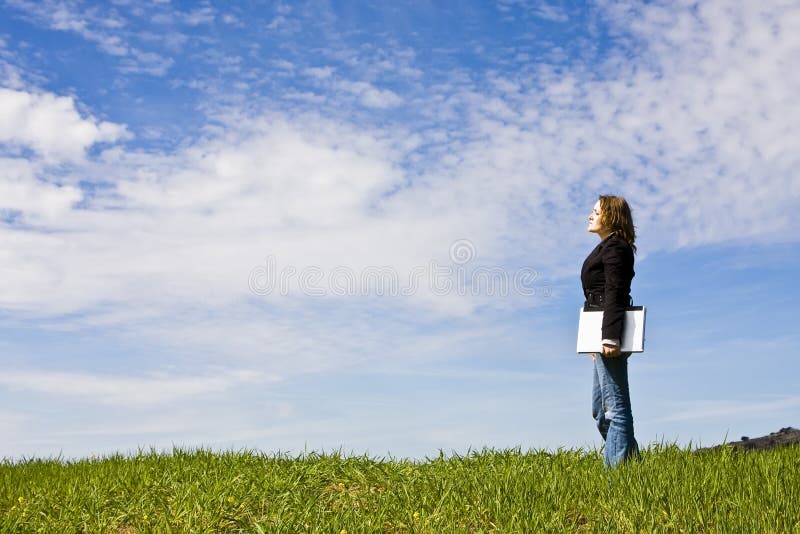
x=606, y=279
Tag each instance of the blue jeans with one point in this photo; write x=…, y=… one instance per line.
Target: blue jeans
x=611, y=408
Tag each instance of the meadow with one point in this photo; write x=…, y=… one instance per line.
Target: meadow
x=669, y=489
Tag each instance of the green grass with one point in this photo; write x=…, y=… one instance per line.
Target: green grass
x=668, y=490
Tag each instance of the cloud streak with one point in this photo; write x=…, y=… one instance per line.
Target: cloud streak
x=104, y=27
x=725, y=409
x=131, y=391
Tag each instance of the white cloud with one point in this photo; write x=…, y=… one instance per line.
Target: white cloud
x=228, y=18
x=277, y=22
x=371, y=96
x=307, y=190
x=276, y=169
x=51, y=125
x=167, y=252
x=283, y=64
x=320, y=73
x=21, y=191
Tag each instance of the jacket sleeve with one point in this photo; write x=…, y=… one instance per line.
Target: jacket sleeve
x=618, y=267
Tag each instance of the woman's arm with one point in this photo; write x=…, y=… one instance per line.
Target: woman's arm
x=618, y=268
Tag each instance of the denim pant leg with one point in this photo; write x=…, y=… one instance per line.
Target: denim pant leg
x=611, y=408
x=598, y=410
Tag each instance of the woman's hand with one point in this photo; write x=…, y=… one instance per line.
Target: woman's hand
x=611, y=351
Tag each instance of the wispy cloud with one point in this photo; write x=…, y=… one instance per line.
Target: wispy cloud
x=9, y=72
x=319, y=72
x=65, y=17
x=371, y=96
x=202, y=15
x=737, y=409
x=131, y=391
x=105, y=28
x=537, y=8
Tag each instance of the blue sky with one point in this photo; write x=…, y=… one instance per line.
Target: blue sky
x=164, y=165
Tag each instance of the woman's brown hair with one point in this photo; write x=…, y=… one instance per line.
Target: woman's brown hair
x=617, y=217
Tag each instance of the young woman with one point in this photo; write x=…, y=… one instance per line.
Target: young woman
x=606, y=278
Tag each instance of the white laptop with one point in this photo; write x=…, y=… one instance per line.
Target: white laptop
x=590, y=325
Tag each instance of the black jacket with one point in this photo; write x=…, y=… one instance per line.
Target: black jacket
x=606, y=278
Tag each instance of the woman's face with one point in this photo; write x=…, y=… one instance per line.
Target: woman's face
x=596, y=220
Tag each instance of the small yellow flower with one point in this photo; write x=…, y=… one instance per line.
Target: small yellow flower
x=341, y=487
x=231, y=500
x=343, y=531
x=416, y=515
x=21, y=500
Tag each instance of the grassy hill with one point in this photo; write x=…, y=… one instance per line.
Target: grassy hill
x=668, y=490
